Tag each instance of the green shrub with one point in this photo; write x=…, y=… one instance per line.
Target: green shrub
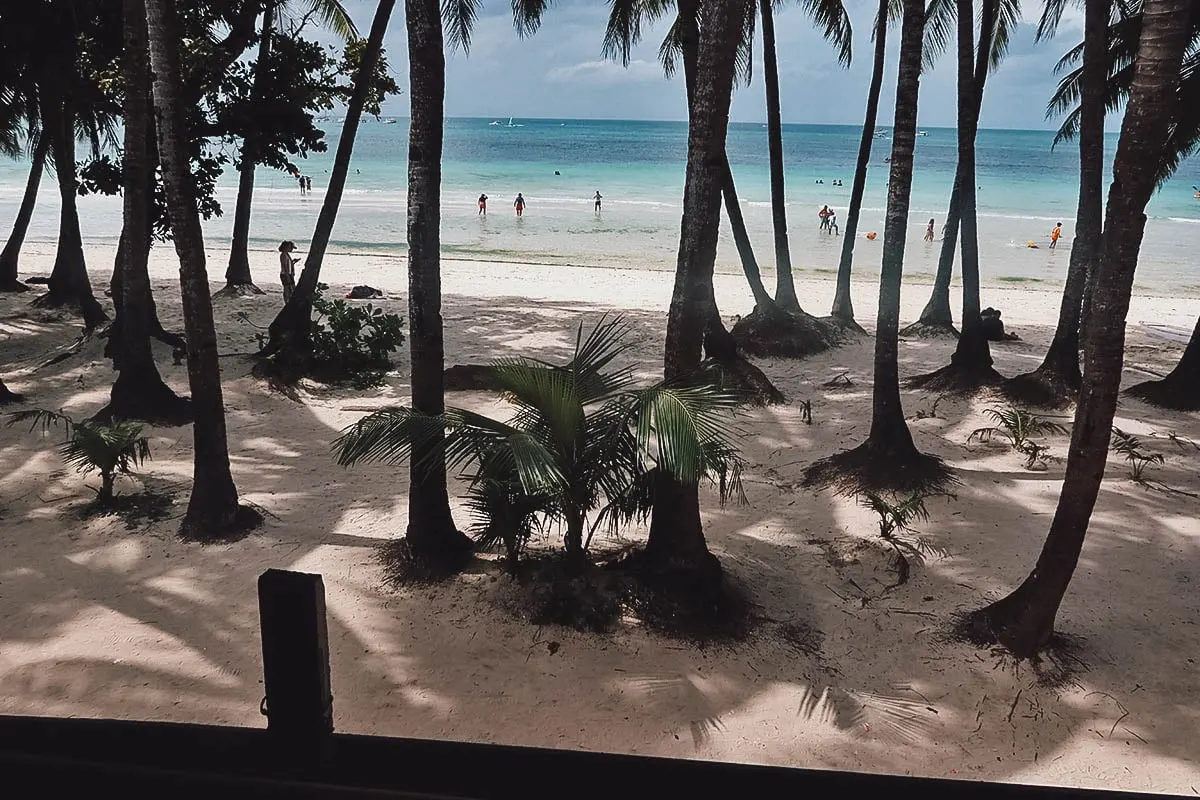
x=351, y=342
x=1130, y=447
x=112, y=448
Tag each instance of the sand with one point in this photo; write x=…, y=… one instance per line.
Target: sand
x=101, y=620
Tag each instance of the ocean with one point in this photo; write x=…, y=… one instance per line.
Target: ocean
x=1026, y=185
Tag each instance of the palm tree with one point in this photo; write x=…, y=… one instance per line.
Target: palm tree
x=433, y=540
x=580, y=451
x=888, y=460
x=971, y=364
x=139, y=391
x=238, y=280
x=676, y=543
x=1057, y=378
x=1180, y=389
x=996, y=28
x=843, y=307
x=289, y=344
x=12, y=248
x=213, y=511
x=1023, y=621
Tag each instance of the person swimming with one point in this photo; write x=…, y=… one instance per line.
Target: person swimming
x=519, y=204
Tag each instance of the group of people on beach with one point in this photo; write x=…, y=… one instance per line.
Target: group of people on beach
x=828, y=220
x=305, y=183
x=519, y=203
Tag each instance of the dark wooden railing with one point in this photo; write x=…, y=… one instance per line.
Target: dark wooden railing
x=299, y=754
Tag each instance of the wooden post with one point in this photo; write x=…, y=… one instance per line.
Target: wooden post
x=295, y=644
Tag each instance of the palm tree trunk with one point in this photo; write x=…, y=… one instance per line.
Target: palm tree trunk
x=843, y=307
x=889, y=460
x=69, y=284
x=8, y=395
x=12, y=248
x=1180, y=389
x=676, y=539
x=785, y=286
x=1024, y=620
x=741, y=239
x=213, y=510
x=1057, y=379
x=238, y=281
x=139, y=391
x=432, y=537
x=936, y=318
x=289, y=341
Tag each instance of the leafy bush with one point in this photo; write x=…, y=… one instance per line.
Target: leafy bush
x=580, y=452
x=353, y=342
x=112, y=448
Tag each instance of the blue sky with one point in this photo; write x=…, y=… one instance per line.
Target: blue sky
x=559, y=72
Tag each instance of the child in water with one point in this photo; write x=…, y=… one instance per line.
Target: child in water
x=1054, y=235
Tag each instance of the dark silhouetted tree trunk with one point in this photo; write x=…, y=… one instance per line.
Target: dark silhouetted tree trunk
x=1180, y=390
x=290, y=341
x=936, y=318
x=213, y=511
x=139, y=391
x=11, y=254
x=888, y=459
x=238, y=281
x=69, y=284
x=1024, y=620
x=741, y=239
x=8, y=396
x=843, y=307
x=676, y=540
x=785, y=286
x=432, y=537
x=1056, y=381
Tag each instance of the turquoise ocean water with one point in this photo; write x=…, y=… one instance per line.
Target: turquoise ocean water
x=1025, y=186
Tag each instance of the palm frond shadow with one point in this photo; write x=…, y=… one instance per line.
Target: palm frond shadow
x=682, y=691
x=861, y=713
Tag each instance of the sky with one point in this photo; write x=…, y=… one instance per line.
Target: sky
x=559, y=71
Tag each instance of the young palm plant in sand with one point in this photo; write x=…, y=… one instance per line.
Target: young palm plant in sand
x=580, y=452
x=1019, y=427
x=112, y=449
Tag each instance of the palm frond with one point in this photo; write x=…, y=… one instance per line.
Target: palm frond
x=333, y=17
x=459, y=18
x=674, y=423
x=1052, y=13
x=833, y=21
x=527, y=15
x=41, y=418
x=1003, y=28
x=626, y=19
x=671, y=50
x=388, y=436
x=941, y=17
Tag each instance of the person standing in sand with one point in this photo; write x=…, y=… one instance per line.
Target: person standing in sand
x=1054, y=235
x=307, y=185
x=287, y=269
x=519, y=204
x=483, y=205
x=929, y=231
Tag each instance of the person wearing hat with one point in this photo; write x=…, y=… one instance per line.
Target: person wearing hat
x=287, y=269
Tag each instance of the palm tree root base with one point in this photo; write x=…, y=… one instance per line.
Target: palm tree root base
x=739, y=376
x=12, y=286
x=1045, y=387
x=1170, y=392
x=846, y=327
x=150, y=401
x=880, y=467
x=930, y=329
x=957, y=378
x=208, y=528
x=406, y=565
x=1055, y=657
x=779, y=334
x=238, y=290
x=692, y=599
x=85, y=306
x=561, y=589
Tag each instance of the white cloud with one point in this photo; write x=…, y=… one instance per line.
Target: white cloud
x=606, y=73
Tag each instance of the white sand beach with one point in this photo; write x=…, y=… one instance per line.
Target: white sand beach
x=100, y=620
